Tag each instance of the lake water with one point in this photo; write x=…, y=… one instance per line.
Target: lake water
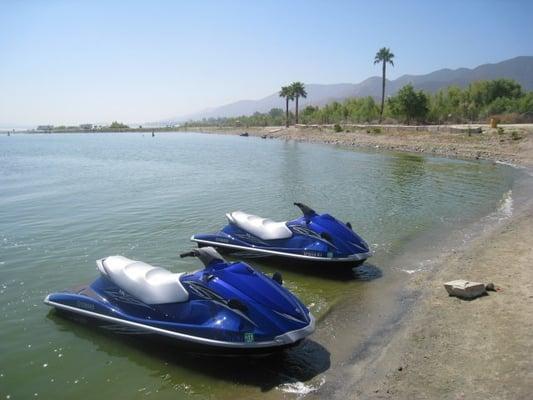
x=66, y=200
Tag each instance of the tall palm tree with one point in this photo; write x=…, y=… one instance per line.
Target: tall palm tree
x=384, y=56
x=298, y=90
x=286, y=92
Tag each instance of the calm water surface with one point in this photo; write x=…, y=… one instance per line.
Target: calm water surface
x=66, y=200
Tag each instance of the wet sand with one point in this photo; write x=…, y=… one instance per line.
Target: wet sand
x=448, y=348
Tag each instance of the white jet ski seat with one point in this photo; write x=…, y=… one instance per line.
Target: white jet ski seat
x=263, y=228
x=151, y=285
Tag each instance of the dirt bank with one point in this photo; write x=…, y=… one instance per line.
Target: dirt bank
x=511, y=143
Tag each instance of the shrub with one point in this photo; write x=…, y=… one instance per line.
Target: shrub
x=118, y=125
x=337, y=128
x=409, y=105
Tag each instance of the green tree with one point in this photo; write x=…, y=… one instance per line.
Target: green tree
x=287, y=93
x=384, y=56
x=118, y=125
x=362, y=110
x=525, y=104
x=275, y=116
x=275, y=112
x=409, y=104
x=500, y=105
x=298, y=90
x=476, y=102
x=308, y=115
x=494, y=97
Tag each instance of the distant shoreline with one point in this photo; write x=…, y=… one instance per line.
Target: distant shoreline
x=512, y=144
x=96, y=131
x=509, y=143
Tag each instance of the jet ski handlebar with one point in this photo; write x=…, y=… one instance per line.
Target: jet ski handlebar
x=306, y=210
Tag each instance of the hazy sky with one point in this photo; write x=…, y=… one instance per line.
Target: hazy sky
x=132, y=61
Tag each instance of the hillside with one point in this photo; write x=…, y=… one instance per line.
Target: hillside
x=518, y=68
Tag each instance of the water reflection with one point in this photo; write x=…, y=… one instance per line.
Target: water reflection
x=329, y=271
x=407, y=170
x=298, y=364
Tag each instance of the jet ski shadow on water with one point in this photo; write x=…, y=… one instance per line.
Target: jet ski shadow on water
x=300, y=363
x=311, y=239
x=364, y=273
x=224, y=308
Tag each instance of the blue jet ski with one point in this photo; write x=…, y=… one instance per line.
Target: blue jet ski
x=312, y=237
x=225, y=307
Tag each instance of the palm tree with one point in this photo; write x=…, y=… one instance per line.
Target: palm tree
x=286, y=92
x=298, y=90
x=384, y=56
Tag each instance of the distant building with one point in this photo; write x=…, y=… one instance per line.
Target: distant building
x=86, y=126
x=45, y=127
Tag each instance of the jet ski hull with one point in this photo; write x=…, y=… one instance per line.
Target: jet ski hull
x=184, y=342
x=231, y=309
x=247, y=252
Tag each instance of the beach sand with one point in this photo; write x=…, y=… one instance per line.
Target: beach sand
x=448, y=348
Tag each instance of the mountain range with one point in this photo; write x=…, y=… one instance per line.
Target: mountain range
x=519, y=68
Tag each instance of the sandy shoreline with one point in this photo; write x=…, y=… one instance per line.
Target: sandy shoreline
x=448, y=348
x=511, y=144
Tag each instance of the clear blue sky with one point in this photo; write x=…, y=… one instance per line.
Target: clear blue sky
x=98, y=61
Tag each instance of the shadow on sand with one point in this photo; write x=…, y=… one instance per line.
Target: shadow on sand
x=297, y=364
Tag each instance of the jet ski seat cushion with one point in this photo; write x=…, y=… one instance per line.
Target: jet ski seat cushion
x=263, y=228
x=151, y=285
